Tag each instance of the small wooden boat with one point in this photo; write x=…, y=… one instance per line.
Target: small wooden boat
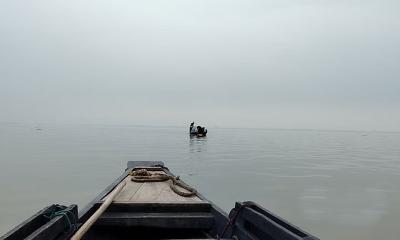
x=197, y=131
x=148, y=202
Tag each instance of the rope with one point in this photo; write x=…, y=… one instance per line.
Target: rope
x=142, y=175
x=65, y=213
x=232, y=220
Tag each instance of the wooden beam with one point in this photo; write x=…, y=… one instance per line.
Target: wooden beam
x=160, y=220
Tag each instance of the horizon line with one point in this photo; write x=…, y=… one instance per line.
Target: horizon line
x=214, y=127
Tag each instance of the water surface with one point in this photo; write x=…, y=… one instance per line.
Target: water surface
x=335, y=185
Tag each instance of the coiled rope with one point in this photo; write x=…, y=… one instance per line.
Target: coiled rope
x=142, y=175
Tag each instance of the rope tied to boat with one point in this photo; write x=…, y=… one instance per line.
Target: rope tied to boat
x=142, y=175
x=232, y=219
x=69, y=217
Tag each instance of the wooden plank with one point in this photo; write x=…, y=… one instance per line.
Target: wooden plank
x=193, y=220
x=160, y=207
x=149, y=191
x=128, y=191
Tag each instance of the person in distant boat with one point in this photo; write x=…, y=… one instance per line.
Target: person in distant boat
x=192, y=129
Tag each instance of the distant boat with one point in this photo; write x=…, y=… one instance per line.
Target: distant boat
x=148, y=202
x=198, y=131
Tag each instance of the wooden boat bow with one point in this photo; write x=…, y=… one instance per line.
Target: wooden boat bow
x=153, y=210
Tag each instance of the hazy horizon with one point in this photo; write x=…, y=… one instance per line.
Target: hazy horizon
x=43, y=126
x=272, y=64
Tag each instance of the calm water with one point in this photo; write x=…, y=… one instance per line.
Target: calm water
x=336, y=185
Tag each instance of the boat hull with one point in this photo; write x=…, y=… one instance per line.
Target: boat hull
x=150, y=210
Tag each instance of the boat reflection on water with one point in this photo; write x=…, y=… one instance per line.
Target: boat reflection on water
x=197, y=144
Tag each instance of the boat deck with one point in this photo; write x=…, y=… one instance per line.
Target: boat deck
x=151, y=192
x=141, y=206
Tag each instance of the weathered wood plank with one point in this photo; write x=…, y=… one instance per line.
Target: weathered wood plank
x=128, y=191
x=161, y=220
x=149, y=191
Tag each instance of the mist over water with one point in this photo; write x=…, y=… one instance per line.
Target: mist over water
x=335, y=185
x=287, y=64
x=230, y=63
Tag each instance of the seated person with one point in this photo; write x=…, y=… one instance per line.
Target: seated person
x=193, y=130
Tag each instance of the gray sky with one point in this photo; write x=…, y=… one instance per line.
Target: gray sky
x=275, y=64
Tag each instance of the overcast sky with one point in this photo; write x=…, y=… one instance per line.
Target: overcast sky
x=320, y=64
